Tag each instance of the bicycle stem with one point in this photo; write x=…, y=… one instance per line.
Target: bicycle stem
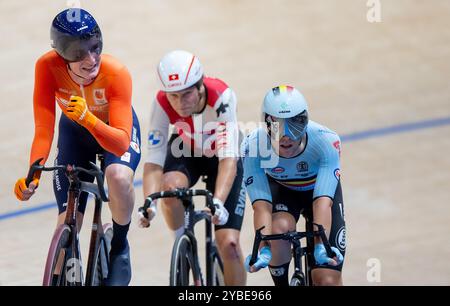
x=179, y=193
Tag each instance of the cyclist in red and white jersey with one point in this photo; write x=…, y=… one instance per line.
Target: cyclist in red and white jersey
x=202, y=112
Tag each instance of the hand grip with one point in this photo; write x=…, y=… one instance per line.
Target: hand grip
x=144, y=208
x=326, y=243
x=33, y=168
x=256, y=243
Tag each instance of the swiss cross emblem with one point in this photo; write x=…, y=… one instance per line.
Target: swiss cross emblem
x=173, y=77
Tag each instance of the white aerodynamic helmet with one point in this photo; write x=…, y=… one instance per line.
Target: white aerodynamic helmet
x=286, y=106
x=179, y=70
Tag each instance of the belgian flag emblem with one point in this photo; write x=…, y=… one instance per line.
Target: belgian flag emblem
x=281, y=89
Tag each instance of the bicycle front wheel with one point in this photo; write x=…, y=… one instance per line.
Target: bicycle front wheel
x=298, y=280
x=58, y=254
x=183, y=268
x=101, y=259
x=218, y=277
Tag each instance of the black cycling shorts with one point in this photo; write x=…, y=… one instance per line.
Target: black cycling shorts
x=195, y=167
x=300, y=202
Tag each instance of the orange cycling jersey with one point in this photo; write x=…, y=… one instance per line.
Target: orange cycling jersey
x=108, y=97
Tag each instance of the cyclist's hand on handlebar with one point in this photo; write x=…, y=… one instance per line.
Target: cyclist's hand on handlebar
x=151, y=211
x=24, y=193
x=221, y=215
x=320, y=254
x=262, y=261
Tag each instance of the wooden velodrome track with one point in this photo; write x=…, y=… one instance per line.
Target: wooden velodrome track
x=384, y=87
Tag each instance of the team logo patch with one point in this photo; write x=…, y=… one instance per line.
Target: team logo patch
x=337, y=174
x=277, y=170
x=135, y=147
x=222, y=109
x=99, y=96
x=240, y=207
x=174, y=84
x=249, y=181
x=155, y=139
x=126, y=157
x=302, y=167
x=340, y=239
x=341, y=209
x=134, y=137
x=281, y=207
x=276, y=271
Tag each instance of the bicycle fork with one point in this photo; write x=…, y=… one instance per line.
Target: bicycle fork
x=74, y=272
x=189, y=222
x=74, y=268
x=298, y=253
x=96, y=233
x=209, y=253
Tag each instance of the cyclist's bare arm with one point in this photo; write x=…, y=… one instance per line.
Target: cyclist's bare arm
x=262, y=216
x=225, y=178
x=152, y=178
x=151, y=183
x=322, y=214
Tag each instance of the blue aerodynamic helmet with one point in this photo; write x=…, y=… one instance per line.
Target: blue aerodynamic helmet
x=74, y=33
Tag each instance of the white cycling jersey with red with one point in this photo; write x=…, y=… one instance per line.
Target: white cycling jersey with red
x=315, y=168
x=213, y=131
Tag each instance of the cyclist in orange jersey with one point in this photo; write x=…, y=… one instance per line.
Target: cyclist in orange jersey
x=94, y=94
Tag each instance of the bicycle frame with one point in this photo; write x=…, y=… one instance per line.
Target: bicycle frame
x=97, y=229
x=191, y=217
x=76, y=186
